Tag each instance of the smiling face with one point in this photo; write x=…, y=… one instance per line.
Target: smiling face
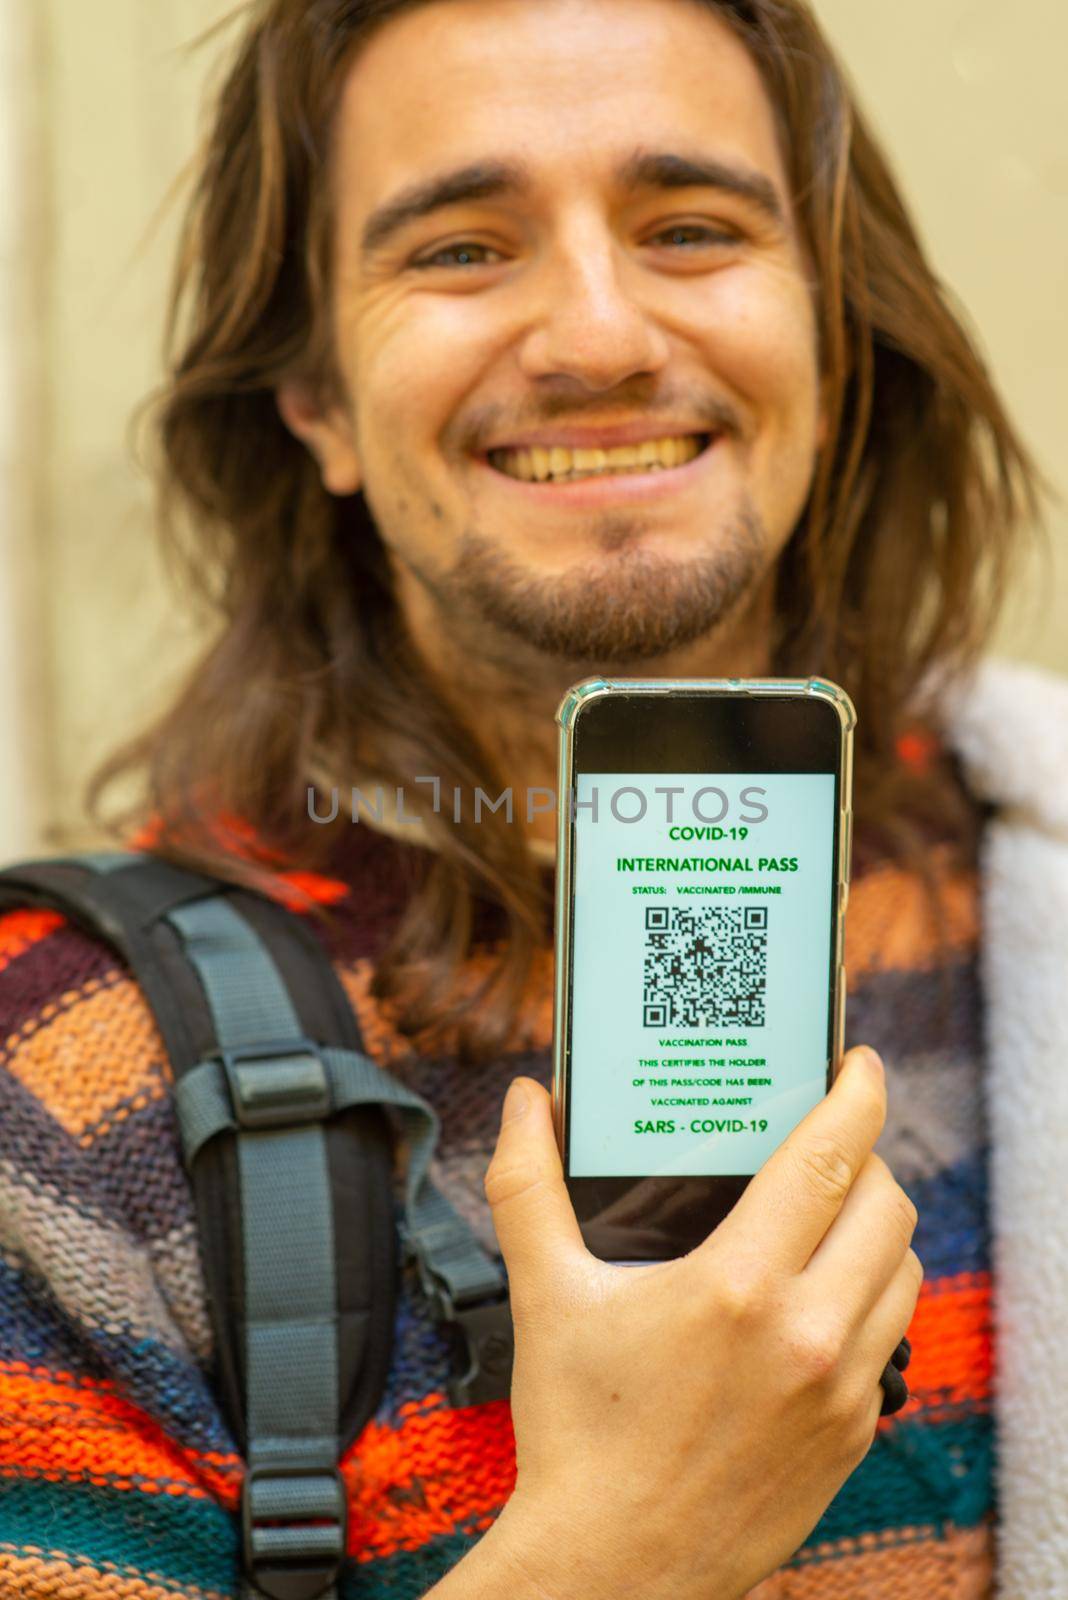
x=572, y=321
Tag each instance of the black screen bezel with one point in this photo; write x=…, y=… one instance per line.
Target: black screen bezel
x=709, y=733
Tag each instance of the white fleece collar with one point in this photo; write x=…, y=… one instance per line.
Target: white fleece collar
x=1009, y=727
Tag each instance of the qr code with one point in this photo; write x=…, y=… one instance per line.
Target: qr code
x=705, y=966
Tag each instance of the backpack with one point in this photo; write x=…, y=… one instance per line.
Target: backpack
x=288, y=1133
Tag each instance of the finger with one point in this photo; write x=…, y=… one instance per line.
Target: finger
x=887, y=1324
x=864, y=1246
x=796, y=1195
x=884, y=1333
x=532, y=1212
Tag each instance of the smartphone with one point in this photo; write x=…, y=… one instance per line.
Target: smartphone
x=702, y=876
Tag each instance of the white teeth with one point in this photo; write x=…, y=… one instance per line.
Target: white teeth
x=558, y=463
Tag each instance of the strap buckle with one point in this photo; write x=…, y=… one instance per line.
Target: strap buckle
x=485, y=1341
x=294, y=1526
x=278, y=1082
x=482, y=1336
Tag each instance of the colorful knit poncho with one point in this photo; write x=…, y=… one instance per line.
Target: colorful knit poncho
x=118, y=1476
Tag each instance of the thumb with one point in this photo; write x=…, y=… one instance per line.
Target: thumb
x=532, y=1212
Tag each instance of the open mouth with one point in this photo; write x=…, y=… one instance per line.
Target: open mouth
x=559, y=464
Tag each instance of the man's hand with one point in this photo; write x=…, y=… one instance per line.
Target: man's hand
x=681, y=1426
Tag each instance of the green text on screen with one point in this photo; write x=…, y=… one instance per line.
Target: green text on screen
x=701, y=968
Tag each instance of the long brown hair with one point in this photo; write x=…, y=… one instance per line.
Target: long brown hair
x=892, y=579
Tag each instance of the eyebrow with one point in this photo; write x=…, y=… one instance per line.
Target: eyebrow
x=484, y=180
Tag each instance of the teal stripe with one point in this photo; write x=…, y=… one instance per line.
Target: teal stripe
x=187, y=1542
x=915, y=1475
x=907, y=1480
x=408, y=1573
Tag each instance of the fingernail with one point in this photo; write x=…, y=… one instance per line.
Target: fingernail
x=515, y=1102
x=872, y=1059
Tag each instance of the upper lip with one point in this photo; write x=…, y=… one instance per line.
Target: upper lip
x=597, y=438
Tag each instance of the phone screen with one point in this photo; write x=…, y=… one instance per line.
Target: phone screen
x=703, y=943
x=699, y=1026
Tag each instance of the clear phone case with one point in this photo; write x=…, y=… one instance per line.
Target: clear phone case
x=568, y=714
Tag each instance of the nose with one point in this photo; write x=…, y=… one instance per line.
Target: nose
x=587, y=323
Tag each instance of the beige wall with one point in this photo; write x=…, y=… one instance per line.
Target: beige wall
x=968, y=97
x=105, y=112
x=101, y=102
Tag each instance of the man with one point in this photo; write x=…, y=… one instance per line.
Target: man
x=526, y=341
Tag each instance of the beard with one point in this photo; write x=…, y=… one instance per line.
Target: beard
x=628, y=604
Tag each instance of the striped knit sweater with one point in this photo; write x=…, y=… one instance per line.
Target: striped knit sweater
x=118, y=1476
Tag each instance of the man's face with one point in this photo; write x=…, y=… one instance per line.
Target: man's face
x=622, y=268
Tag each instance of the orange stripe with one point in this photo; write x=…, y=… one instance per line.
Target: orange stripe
x=294, y=888
x=61, y=1427
x=406, y=1484
x=36, y=1574
x=20, y=930
x=440, y=1470
x=887, y=1566
x=97, y=1055
x=952, y=1342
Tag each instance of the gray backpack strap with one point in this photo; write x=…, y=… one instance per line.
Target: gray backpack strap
x=272, y=1092
x=293, y=1504
x=454, y=1267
